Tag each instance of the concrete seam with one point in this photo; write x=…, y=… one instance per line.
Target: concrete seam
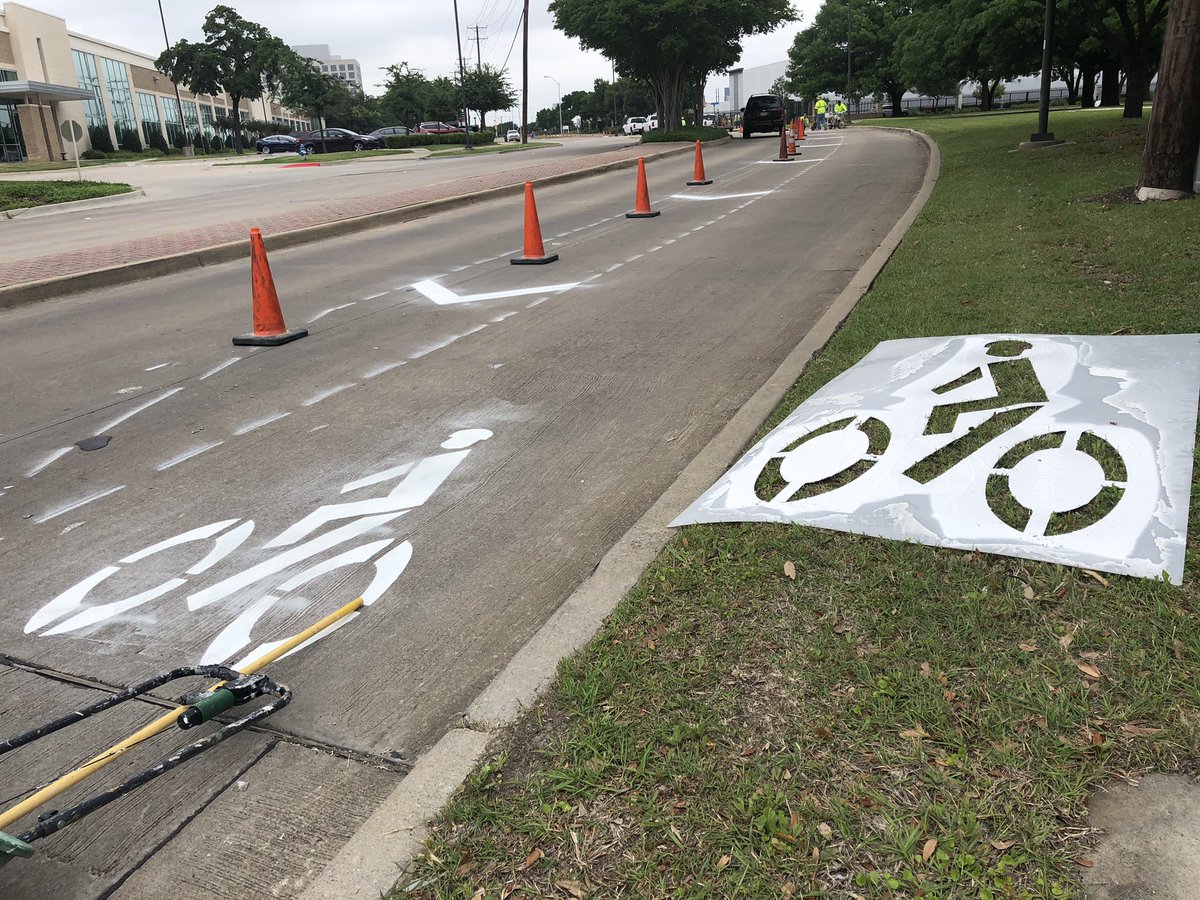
x=33, y=291
x=576, y=621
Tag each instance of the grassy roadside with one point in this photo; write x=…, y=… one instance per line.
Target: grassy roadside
x=342, y=156
x=893, y=720
x=20, y=194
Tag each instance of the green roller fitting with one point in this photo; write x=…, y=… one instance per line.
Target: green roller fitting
x=210, y=706
x=11, y=846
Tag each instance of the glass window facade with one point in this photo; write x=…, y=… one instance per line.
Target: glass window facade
x=151, y=123
x=12, y=146
x=120, y=102
x=86, y=77
x=174, y=127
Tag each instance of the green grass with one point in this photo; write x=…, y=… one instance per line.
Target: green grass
x=491, y=148
x=342, y=156
x=21, y=194
x=736, y=732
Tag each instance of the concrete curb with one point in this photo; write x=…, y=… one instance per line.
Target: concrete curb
x=374, y=858
x=53, y=209
x=48, y=288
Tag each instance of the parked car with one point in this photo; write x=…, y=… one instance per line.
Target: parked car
x=277, y=143
x=387, y=130
x=634, y=125
x=336, y=139
x=513, y=136
x=437, y=128
x=652, y=122
x=762, y=113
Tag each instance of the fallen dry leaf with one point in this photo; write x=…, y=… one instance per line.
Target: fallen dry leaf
x=575, y=888
x=1091, y=736
x=1064, y=640
x=840, y=628
x=826, y=830
x=917, y=732
x=1086, y=863
x=925, y=669
x=1027, y=590
x=723, y=862
x=1177, y=648
x=1100, y=578
x=1088, y=669
x=789, y=569
x=1028, y=648
x=1140, y=730
x=508, y=890
x=927, y=850
x=531, y=859
x=1002, y=845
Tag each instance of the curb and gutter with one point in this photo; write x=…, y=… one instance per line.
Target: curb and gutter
x=375, y=857
x=52, y=209
x=48, y=288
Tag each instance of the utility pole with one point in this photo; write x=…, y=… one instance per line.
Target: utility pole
x=849, y=29
x=188, y=149
x=1044, y=135
x=477, y=39
x=462, y=81
x=525, y=75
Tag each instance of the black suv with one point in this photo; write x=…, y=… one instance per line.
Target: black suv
x=763, y=113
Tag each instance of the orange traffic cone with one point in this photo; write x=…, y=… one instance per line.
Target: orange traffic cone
x=698, y=169
x=783, y=154
x=642, y=208
x=535, y=251
x=800, y=129
x=269, y=330
x=791, y=143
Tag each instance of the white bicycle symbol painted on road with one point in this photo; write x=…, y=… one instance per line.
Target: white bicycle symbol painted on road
x=73, y=610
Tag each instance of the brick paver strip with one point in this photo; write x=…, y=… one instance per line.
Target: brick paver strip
x=103, y=256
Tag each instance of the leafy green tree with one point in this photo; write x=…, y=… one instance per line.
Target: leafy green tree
x=239, y=57
x=487, y=90
x=672, y=44
x=305, y=89
x=817, y=58
x=1133, y=30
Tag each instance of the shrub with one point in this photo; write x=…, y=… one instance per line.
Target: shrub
x=155, y=139
x=691, y=133
x=218, y=144
x=100, y=138
x=402, y=141
x=179, y=142
x=93, y=154
x=174, y=151
x=130, y=140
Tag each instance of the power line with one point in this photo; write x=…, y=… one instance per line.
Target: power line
x=516, y=33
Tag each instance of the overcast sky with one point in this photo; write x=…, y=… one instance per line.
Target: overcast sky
x=380, y=32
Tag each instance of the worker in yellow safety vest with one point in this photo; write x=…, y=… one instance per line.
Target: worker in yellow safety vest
x=819, y=108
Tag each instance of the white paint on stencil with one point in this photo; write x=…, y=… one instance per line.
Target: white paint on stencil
x=102, y=611
x=468, y=437
x=222, y=547
x=326, y=394
x=378, y=477
x=196, y=534
x=68, y=600
x=323, y=313
x=379, y=370
x=706, y=197
x=159, y=366
x=219, y=367
x=443, y=296
x=129, y=414
x=63, y=510
x=189, y=454
x=48, y=460
x=259, y=423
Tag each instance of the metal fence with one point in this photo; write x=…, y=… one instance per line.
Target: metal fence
x=867, y=107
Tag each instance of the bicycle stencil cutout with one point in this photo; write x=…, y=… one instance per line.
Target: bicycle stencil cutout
x=1075, y=450
x=251, y=593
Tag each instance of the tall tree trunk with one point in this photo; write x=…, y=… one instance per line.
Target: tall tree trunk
x=1137, y=87
x=236, y=115
x=1169, y=163
x=1087, y=92
x=1110, y=85
x=1072, y=81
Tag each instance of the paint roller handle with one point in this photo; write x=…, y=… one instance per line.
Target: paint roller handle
x=222, y=699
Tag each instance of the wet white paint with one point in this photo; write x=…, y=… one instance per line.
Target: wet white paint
x=326, y=394
x=468, y=437
x=188, y=454
x=129, y=414
x=100, y=612
x=75, y=504
x=48, y=460
x=260, y=423
x=219, y=367
x=323, y=313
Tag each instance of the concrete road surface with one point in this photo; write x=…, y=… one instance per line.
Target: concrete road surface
x=459, y=439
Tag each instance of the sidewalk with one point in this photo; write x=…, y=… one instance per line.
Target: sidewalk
x=146, y=251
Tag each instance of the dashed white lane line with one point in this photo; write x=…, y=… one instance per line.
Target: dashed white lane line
x=635, y=258
x=614, y=267
x=654, y=249
x=215, y=369
x=537, y=302
x=260, y=423
x=189, y=454
x=507, y=315
x=53, y=457
x=63, y=510
x=326, y=394
x=323, y=313
x=720, y=196
x=159, y=366
x=376, y=296
x=137, y=409
x=379, y=370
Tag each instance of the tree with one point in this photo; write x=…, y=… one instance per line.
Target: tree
x=1133, y=29
x=672, y=44
x=1173, y=141
x=237, y=56
x=303, y=88
x=487, y=89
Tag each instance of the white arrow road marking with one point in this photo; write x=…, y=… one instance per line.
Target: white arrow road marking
x=443, y=296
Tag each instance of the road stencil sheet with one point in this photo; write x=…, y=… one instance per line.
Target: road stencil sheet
x=1068, y=449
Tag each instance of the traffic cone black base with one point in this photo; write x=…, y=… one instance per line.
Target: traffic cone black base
x=533, y=260
x=643, y=215
x=694, y=183
x=274, y=340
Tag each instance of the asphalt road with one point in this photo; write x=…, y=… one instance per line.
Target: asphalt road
x=464, y=462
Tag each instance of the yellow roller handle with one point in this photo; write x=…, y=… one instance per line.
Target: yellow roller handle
x=161, y=724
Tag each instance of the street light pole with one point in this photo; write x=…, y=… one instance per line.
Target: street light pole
x=849, y=29
x=188, y=149
x=462, y=80
x=1043, y=133
x=559, y=86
